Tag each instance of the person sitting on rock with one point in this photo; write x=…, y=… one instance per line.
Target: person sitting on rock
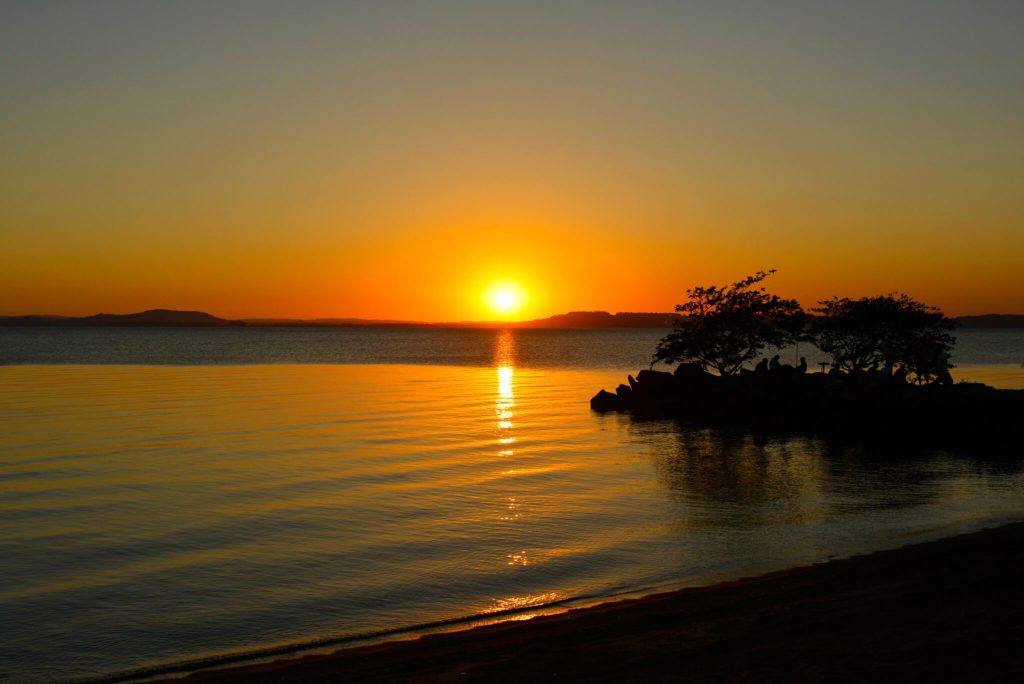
x=886, y=372
x=762, y=366
x=774, y=364
x=871, y=375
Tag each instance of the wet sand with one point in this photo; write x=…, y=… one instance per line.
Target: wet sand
x=946, y=610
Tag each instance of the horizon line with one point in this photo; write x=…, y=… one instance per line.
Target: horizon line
x=358, y=320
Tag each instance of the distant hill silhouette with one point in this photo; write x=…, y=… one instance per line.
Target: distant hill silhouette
x=159, y=317
x=603, y=319
x=571, y=320
x=168, y=317
x=991, y=321
x=329, y=322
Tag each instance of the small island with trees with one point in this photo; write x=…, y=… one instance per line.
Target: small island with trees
x=889, y=373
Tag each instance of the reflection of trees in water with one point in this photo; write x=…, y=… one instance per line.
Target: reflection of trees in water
x=882, y=474
x=746, y=479
x=735, y=475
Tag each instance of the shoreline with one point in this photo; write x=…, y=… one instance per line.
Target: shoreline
x=945, y=609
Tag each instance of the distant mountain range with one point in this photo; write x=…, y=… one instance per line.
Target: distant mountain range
x=573, y=319
x=161, y=317
x=991, y=321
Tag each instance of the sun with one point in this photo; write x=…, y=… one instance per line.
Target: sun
x=504, y=298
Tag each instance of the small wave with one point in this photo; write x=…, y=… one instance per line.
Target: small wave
x=490, y=616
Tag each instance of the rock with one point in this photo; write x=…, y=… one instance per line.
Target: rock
x=833, y=404
x=693, y=373
x=654, y=381
x=605, y=401
x=632, y=381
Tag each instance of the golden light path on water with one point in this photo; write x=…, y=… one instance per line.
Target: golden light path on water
x=504, y=409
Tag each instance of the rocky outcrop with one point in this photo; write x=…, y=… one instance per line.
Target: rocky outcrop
x=836, y=404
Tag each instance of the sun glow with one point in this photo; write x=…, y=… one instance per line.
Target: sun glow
x=505, y=298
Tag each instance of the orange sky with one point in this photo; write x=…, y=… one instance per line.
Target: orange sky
x=394, y=162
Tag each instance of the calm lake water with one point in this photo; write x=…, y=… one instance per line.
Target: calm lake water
x=171, y=495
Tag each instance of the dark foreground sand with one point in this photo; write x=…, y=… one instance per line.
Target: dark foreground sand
x=946, y=610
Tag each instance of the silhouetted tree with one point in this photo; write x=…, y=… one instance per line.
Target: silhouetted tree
x=889, y=329
x=725, y=327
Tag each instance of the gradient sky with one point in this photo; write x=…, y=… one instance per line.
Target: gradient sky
x=391, y=160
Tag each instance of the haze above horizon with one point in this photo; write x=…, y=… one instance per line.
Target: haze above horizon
x=458, y=161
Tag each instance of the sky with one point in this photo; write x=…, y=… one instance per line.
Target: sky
x=401, y=160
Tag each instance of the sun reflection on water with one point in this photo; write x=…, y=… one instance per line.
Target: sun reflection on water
x=505, y=403
x=527, y=601
x=504, y=409
x=506, y=398
x=512, y=506
x=505, y=386
x=505, y=349
x=518, y=558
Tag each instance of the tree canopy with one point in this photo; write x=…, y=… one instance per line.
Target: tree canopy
x=887, y=330
x=723, y=328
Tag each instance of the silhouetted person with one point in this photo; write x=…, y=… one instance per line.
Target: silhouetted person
x=802, y=368
x=872, y=376
x=762, y=366
x=942, y=376
x=774, y=364
x=886, y=372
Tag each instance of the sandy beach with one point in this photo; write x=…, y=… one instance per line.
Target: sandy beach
x=945, y=610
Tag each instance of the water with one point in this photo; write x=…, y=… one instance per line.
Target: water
x=154, y=514
x=623, y=350
x=618, y=349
